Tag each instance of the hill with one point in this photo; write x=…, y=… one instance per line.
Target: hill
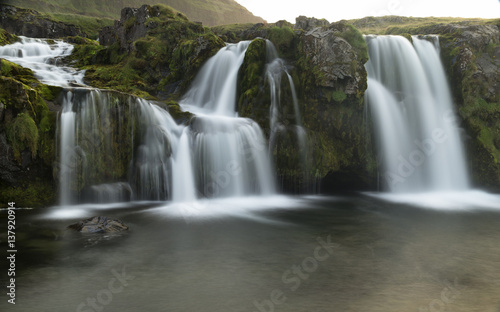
x=209, y=12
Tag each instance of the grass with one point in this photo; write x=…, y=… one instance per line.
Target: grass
x=210, y=12
x=386, y=25
x=89, y=25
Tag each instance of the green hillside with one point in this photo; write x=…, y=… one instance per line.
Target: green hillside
x=209, y=12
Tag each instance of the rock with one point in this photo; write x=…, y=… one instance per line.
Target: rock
x=30, y=23
x=476, y=36
x=131, y=26
x=307, y=23
x=334, y=57
x=99, y=224
x=8, y=167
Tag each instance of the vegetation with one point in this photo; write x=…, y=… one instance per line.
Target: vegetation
x=88, y=24
x=22, y=133
x=6, y=38
x=89, y=14
x=389, y=25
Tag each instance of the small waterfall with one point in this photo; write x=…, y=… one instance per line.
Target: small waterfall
x=66, y=141
x=214, y=89
x=183, y=177
x=279, y=116
x=414, y=116
x=230, y=156
x=105, y=139
x=42, y=56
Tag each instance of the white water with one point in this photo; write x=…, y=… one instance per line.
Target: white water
x=43, y=58
x=214, y=89
x=216, y=155
x=230, y=156
x=414, y=117
x=284, y=119
x=90, y=123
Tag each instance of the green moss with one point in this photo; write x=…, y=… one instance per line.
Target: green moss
x=285, y=40
x=338, y=96
x=252, y=100
x=10, y=69
x=33, y=194
x=90, y=25
x=175, y=111
x=352, y=35
x=47, y=135
x=22, y=133
x=7, y=38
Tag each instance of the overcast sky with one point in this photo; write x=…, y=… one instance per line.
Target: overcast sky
x=334, y=10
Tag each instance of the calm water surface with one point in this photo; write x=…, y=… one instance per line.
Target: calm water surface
x=277, y=254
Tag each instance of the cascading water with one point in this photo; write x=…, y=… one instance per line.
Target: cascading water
x=280, y=124
x=114, y=147
x=97, y=131
x=413, y=115
x=214, y=89
x=230, y=155
x=42, y=57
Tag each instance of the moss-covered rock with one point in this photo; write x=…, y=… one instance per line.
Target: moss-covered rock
x=152, y=52
x=6, y=37
x=327, y=68
x=22, y=133
x=27, y=137
x=253, y=101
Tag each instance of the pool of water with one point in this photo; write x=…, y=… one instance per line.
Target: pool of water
x=360, y=253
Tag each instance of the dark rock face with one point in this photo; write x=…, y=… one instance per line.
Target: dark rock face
x=8, y=167
x=131, y=26
x=25, y=22
x=99, y=224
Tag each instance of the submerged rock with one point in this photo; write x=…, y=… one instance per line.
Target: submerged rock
x=99, y=224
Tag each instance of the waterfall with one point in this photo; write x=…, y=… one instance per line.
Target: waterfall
x=42, y=56
x=214, y=89
x=230, y=156
x=413, y=116
x=114, y=147
x=282, y=121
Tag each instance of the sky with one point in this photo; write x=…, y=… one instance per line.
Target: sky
x=335, y=10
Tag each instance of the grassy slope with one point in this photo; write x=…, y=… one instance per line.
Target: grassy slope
x=209, y=12
x=386, y=25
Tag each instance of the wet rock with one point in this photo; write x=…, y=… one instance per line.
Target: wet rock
x=99, y=224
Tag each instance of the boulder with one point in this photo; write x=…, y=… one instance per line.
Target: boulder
x=335, y=58
x=99, y=224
